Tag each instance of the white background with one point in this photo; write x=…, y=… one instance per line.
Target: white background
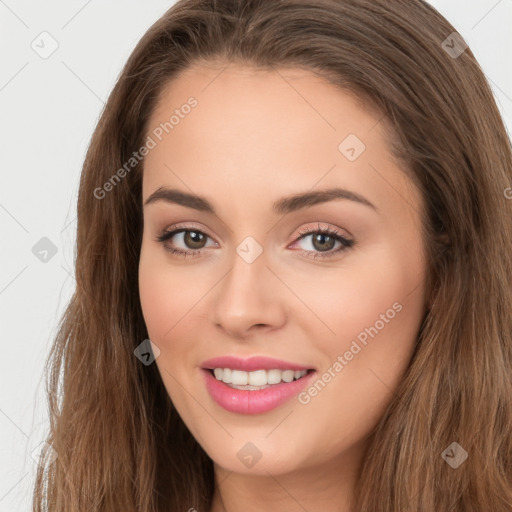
x=49, y=108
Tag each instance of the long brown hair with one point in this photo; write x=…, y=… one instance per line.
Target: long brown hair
x=121, y=445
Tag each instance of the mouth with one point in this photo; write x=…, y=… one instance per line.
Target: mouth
x=257, y=391
x=257, y=379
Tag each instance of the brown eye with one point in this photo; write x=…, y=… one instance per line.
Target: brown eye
x=183, y=242
x=322, y=242
x=194, y=239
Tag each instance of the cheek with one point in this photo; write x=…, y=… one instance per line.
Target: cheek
x=165, y=300
x=161, y=296
x=158, y=302
x=166, y=294
x=378, y=290
x=375, y=312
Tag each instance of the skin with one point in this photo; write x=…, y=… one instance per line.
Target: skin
x=254, y=137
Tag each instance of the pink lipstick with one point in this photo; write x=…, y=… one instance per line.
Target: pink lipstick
x=254, y=385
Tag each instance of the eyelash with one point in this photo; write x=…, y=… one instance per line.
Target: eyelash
x=345, y=242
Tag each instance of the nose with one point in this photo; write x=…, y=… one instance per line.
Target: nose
x=249, y=299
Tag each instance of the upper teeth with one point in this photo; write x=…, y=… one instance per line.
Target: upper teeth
x=256, y=378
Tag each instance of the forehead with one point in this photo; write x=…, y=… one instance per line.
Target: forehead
x=265, y=94
x=250, y=129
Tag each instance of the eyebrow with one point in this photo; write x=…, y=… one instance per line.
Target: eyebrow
x=282, y=206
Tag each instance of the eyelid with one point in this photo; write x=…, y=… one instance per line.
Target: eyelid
x=298, y=234
x=183, y=226
x=346, y=242
x=322, y=226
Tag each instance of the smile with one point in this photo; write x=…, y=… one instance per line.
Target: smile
x=259, y=379
x=255, y=385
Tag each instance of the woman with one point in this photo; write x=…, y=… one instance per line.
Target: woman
x=305, y=206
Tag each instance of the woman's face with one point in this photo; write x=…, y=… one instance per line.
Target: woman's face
x=261, y=280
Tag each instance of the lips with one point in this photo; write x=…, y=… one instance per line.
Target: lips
x=252, y=364
x=240, y=394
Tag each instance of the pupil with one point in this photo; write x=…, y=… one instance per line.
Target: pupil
x=193, y=239
x=322, y=238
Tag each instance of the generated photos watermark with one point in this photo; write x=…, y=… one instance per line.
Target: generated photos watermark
x=343, y=360
x=158, y=133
